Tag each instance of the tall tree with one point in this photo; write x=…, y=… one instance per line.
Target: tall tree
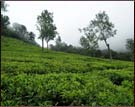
x=46, y=27
x=103, y=28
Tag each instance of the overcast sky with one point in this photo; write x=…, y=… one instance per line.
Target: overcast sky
x=71, y=15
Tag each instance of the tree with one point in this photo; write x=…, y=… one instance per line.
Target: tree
x=31, y=36
x=90, y=41
x=21, y=30
x=130, y=46
x=103, y=28
x=60, y=46
x=84, y=42
x=3, y=6
x=58, y=41
x=4, y=19
x=46, y=27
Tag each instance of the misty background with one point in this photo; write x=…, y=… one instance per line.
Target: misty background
x=71, y=15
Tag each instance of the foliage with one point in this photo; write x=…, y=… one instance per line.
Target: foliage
x=63, y=47
x=89, y=42
x=21, y=30
x=58, y=41
x=31, y=35
x=9, y=32
x=102, y=25
x=46, y=27
x=17, y=31
x=4, y=19
x=130, y=47
x=3, y=6
x=100, y=29
x=32, y=78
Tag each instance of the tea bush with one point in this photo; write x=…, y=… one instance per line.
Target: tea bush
x=31, y=77
x=62, y=89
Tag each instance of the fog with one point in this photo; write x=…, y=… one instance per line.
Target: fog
x=71, y=15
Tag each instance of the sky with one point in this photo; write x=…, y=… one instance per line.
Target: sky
x=69, y=16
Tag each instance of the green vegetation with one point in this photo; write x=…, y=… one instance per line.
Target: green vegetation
x=31, y=77
x=99, y=29
x=46, y=27
x=130, y=47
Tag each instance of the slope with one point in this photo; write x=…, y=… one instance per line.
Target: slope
x=32, y=77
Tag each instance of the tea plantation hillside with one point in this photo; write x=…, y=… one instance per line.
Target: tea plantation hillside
x=31, y=77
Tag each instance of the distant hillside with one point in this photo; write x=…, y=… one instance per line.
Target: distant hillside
x=32, y=77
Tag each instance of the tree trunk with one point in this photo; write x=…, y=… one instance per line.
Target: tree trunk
x=47, y=45
x=109, y=50
x=42, y=44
